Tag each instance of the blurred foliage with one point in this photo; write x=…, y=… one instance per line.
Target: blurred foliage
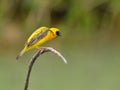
x=18, y=18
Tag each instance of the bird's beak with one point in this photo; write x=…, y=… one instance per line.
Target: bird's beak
x=59, y=33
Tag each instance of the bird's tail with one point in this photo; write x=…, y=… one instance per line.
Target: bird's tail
x=21, y=53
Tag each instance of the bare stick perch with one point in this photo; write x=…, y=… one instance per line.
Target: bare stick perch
x=34, y=58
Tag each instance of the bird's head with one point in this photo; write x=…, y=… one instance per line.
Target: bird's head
x=55, y=31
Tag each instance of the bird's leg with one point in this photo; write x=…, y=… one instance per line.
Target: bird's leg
x=41, y=49
x=38, y=48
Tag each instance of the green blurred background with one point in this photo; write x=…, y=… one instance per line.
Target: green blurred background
x=90, y=42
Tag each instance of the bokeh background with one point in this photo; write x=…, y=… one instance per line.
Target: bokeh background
x=90, y=42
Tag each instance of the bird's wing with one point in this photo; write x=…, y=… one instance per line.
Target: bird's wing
x=37, y=37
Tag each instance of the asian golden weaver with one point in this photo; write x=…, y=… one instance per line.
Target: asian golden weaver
x=38, y=37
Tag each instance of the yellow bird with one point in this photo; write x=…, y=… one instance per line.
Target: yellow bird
x=38, y=37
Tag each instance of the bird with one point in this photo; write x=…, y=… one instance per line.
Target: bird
x=38, y=37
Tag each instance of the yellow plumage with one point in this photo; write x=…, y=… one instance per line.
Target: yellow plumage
x=39, y=37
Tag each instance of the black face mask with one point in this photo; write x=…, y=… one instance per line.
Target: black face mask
x=58, y=33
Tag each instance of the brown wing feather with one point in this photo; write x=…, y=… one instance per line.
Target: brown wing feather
x=37, y=37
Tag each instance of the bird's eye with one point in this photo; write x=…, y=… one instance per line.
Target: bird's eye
x=58, y=33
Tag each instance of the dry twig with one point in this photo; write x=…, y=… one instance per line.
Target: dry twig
x=34, y=58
